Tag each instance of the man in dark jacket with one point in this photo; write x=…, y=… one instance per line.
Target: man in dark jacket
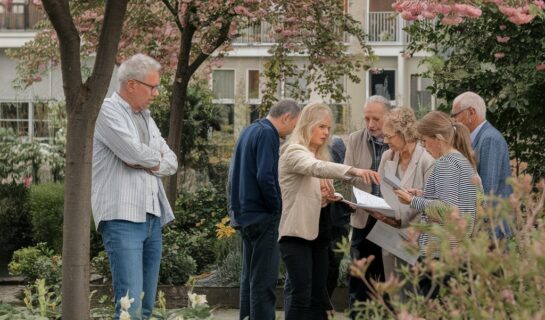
x=256, y=207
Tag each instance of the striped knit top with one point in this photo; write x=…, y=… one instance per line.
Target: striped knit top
x=450, y=183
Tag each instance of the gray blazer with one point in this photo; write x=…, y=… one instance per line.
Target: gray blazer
x=358, y=155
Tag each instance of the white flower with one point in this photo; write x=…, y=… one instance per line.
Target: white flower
x=200, y=300
x=125, y=302
x=124, y=315
x=196, y=299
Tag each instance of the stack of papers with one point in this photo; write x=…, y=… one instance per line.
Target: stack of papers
x=368, y=201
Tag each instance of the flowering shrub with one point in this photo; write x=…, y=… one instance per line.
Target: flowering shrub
x=481, y=278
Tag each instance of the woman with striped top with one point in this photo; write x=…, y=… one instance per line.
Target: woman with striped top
x=452, y=181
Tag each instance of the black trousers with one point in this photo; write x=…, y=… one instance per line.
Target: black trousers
x=306, y=264
x=362, y=248
x=337, y=233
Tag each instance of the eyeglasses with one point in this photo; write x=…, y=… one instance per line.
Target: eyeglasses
x=454, y=115
x=153, y=88
x=389, y=136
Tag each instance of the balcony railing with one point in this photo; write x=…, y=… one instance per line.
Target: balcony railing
x=259, y=33
x=386, y=27
x=19, y=16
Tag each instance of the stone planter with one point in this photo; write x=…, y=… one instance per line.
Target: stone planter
x=224, y=297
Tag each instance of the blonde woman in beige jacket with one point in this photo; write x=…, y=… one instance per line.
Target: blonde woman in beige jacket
x=303, y=230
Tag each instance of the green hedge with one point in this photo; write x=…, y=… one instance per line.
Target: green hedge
x=46, y=207
x=15, y=226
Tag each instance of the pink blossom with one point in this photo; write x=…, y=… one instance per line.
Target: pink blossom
x=502, y=27
x=540, y=4
x=429, y=14
x=501, y=39
x=37, y=2
x=452, y=21
x=521, y=18
x=27, y=181
x=499, y=55
x=540, y=67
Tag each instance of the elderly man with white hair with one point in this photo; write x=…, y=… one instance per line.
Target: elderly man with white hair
x=129, y=203
x=491, y=151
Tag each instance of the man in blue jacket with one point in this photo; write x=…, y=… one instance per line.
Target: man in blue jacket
x=256, y=207
x=491, y=151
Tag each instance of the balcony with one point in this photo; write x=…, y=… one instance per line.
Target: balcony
x=256, y=34
x=19, y=16
x=386, y=28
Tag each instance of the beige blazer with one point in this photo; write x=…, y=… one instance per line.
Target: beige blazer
x=358, y=155
x=416, y=174
x=299, y=172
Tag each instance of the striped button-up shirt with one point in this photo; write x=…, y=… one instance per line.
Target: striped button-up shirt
x=451, y=184
x=120, y=191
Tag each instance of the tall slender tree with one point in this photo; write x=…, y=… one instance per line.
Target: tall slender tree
x=83, y=101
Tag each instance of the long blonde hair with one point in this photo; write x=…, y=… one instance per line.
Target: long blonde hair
x=310, y=117
x=439, y=125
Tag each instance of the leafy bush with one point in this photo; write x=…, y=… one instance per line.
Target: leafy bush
x=481, y=278
x=38, y=262
x=203, y=209
x=101, y=266
x=176, y=264
x=46, y=207
x=15, y=226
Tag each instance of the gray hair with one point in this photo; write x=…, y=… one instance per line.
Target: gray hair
x=285, y=106
x=379, y=99
x=136, y=67
x=471, y=99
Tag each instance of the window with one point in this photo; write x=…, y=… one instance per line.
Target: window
x=223, y=87
x=296, y=88
x=421, y=98
x=253, y=85
x=382, y=83
x=26, y=119
x=223, y=84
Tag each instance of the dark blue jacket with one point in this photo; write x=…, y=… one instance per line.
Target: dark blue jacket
x=254, y=192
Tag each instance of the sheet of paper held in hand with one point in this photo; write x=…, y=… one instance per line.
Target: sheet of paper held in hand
x=392, y=240
x=368, y=201
x=390, y=179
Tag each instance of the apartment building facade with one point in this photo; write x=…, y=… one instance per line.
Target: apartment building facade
x=238, y=83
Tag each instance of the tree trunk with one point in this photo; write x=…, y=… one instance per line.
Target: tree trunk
x=83, y=103
x=77, y=210
x=176, y=126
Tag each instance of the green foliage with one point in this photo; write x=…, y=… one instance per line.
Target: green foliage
x=229, y=268
x=101, y=266
x=15, y=226
x=9, y=312
x=203, y=209
x=176, y=264
x=46, y=207
x=200, y=117
x=43, y=300
x=463, y=58
x=37, y=262
x=482, y=277
x=18, y=158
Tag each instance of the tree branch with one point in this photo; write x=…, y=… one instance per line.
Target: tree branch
x=110, y=34
x=174, y=12
x=222, y=38
x=58, y=12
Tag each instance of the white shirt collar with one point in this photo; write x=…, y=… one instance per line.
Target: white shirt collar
x=475, y=132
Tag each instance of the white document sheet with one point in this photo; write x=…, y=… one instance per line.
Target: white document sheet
x=368, y=201
x=392, y=240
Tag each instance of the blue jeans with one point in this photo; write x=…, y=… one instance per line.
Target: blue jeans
x=260, y=260
x=134, y=251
